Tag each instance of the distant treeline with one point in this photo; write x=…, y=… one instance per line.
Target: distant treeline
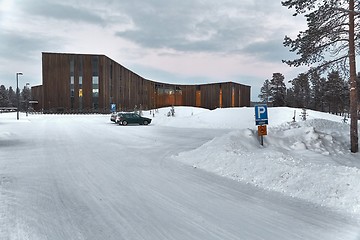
x=312, y=91
x=8, y=97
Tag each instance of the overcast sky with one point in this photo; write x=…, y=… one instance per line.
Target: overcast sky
x=173, y=41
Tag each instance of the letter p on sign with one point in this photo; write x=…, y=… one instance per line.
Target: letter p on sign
x=261, y=116
x=261, y=111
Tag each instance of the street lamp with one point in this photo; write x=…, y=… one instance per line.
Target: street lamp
x=27, y=102
x=18, y=93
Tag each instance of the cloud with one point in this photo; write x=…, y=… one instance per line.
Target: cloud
x=231, y=28
x=270, y=50
x=173, y=41
x=18, y=45
x=61, y=11
x=197, y=26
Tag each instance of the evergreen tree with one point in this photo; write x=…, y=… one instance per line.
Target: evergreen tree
x=290, y=98
x=278, y=90
x=322, y=91
x=335, y=93
x=25, y=98
x=316, y=91
x=265, y=92
x=301, y=91
x=4, y=96
x=12, y=97
x=329, y=42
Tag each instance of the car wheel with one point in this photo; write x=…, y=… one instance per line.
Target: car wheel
x=145, y=122
x=124, y=123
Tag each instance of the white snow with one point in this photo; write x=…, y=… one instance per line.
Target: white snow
x=308, y=159
x=82, y=177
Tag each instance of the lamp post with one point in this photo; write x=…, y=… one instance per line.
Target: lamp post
x=28, y=95
x=18, y=93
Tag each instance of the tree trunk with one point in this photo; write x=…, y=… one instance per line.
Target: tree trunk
x=353, y=89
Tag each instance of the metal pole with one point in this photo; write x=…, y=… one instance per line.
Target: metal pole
x=18, y=94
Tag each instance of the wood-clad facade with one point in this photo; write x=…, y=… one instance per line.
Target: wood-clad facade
x=92, y=83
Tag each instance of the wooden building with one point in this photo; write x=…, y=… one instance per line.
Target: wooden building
x=93, y=83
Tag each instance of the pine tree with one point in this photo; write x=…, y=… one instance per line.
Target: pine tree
x=278, y=90
x=329, y=42
x=12, y=97
x=301, y=91
x=290, y=98
x=335, y=93
x=316, y=91
x=25, y=97
x=4, y=97
x=265, y=92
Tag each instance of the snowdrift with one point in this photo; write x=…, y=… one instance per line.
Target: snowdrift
x=308, y=159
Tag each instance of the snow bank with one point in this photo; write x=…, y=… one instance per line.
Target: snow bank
x=309, y=159
x=189, y=117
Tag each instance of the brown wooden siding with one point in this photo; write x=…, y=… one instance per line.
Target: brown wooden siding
x=125, y=88
x=36, y=95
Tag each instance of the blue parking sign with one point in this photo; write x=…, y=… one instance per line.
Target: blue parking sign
x=261, y=116
x=113, y=107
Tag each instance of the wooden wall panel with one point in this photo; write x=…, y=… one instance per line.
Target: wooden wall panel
x=244, y=96
x=125, y=88
x=37, y=95
x=189, y=95
x=236, y=95
x=226, y=94
x=56, y=71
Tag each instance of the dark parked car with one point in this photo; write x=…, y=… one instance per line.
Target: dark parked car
x=113, y=116
x=130, y=118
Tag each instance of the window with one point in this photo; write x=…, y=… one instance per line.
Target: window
x=72, y=83
x=80, y=81
x=178, y=90
x=72, y=88
x=95, y=93
x=95, y=65
x=72, y=66
x=95, y=82
x=95, y=86
x=80, y=93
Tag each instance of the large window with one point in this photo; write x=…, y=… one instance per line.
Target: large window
x=95, y=82
x=72, y=83
x=72, y=86
x=111, y=84
x=80, y=83
x=95, y=65
x=95, y=86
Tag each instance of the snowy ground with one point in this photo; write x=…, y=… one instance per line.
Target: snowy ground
x=303, y=159
x=82, y=177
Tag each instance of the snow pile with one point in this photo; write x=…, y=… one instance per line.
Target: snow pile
x=189, y=117
x=308, y=159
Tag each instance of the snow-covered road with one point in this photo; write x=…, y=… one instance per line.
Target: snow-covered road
x=82, y=177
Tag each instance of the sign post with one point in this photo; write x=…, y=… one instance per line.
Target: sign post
x=261, y=120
